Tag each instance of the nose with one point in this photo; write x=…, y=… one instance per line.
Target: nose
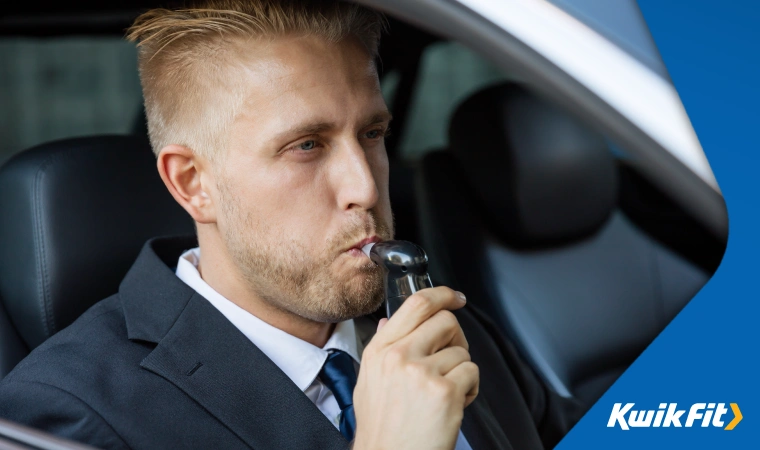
x=355, y=180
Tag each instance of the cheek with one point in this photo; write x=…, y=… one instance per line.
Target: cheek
x=289, y=201
x=379, y=161
x=380, y=170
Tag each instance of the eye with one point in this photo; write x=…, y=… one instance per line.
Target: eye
x=378, y=133
x=306, y=149
x=307, y=145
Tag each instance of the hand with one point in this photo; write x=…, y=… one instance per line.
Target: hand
x=416, y=377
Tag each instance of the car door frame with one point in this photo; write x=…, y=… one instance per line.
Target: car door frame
x=664, y=167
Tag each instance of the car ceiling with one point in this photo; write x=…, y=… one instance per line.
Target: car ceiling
x=82, y=17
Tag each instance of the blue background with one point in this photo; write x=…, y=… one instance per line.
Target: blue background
x=709, y=353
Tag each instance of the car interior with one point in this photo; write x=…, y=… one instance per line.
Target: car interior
x=546, y=225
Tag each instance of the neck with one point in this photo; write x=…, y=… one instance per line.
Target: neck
x=218, y=271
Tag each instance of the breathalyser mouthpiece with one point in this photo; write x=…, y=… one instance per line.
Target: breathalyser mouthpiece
x=404, y=267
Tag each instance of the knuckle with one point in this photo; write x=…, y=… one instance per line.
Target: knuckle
x=419, y=302
x=395, y=356
x=449, y=319
x=473, y=369
x=417, y=370
x=463, y=354
x=465, y=344
x=442, y=388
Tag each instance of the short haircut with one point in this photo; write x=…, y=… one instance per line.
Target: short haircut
x=187, y=59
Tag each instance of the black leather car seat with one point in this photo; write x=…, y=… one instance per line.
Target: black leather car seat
x=521, y=213
x=73, y=216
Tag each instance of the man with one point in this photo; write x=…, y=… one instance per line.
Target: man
x=267, y=121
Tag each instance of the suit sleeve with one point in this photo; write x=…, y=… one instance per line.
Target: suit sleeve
x=552, y=414
x=55, y=411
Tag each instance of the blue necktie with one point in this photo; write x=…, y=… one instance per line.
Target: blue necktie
x=339, y=375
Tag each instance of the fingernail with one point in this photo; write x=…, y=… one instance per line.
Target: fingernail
x=461, y=297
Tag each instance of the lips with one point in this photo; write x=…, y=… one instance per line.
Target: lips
x=365, y=241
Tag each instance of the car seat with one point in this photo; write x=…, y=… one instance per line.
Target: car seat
x=74, y=214
x=521, y=214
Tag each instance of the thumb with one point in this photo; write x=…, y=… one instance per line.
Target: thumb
x=381, y=324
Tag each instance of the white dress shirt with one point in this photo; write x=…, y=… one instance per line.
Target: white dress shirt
x=298, y=359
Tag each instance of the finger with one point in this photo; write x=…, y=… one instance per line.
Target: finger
x=466, y=377
x=417, y=309
x=381, y=323
x=447, y=359
x=440, y=331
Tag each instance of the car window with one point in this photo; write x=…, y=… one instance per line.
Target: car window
x=63, y=87
x=449, y=73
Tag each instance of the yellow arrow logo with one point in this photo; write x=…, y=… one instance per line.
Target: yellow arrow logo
x=737, y=417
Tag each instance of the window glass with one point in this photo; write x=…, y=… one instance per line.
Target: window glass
x=57, y=88
x=449, y=73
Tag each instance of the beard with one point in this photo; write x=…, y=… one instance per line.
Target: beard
x=285, y=275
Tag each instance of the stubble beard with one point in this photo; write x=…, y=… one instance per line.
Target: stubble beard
x=284, y=274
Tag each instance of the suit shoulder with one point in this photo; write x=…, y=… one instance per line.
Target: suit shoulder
x=57, y=411
x=95, y=341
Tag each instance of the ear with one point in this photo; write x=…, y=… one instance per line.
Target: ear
x=188, y=178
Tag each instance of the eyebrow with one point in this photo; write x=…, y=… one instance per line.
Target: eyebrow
x=319, y=127
x=384, y=116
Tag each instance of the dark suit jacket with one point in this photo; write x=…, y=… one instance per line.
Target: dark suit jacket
x=157, y=366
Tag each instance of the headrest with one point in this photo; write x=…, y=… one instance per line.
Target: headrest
x=73, y=217
x=540, y=177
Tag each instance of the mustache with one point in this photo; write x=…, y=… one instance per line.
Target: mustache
x=359, y=228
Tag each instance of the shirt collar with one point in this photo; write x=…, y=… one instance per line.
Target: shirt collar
x=300, y=360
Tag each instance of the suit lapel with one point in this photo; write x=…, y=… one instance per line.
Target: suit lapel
x=211, y=361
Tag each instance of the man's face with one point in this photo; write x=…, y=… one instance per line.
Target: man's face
x=305, y=178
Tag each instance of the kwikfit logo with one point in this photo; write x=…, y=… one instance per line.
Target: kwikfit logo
x=668, y=415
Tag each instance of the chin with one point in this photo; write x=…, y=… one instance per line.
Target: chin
x=353, y=299
x=341, y=316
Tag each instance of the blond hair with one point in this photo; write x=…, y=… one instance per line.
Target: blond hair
x=186, y=57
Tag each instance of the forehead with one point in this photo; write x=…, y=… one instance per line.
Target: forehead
x=293, y=74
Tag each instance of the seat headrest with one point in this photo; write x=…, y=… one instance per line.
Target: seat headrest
x=540, y=177
x=73, y=217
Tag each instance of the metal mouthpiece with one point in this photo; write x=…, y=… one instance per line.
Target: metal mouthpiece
x=404, y=265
